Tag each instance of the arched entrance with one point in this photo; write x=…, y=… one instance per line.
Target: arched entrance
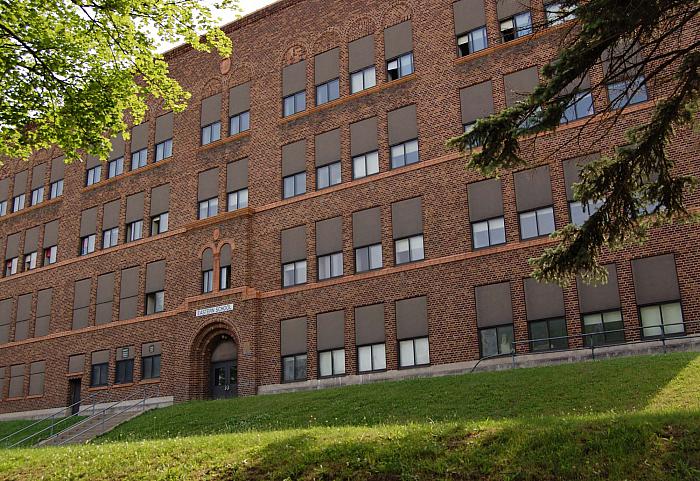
x=223, y=368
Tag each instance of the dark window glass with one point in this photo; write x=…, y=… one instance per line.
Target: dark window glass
x=124, y=372
x=548, y=334
x=98, y=375
x=294, y=368
x=496, y=341
x=150, y=367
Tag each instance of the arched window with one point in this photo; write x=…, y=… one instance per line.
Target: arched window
x=225, y=267
x=207, y=271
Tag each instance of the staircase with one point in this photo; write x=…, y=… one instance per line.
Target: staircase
x=89, y=429
x=101, y=416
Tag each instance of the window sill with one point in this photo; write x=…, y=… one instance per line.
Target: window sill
x=15, y=398
x=129, y=174
x=227, y=140
x=98, y=388
x=35, y=396
x=33, y=208
x=148, y=381
x=506, y=45
x=75, y=374
x=348, y=98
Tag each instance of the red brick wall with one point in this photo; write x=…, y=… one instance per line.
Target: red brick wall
x=263, y=44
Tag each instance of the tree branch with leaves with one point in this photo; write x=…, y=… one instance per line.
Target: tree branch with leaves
x=74, y=70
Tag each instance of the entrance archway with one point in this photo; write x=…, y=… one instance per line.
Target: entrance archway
x=223, y=368
x=215, y=342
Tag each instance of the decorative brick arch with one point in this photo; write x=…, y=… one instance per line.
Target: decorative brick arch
x=212, y=87
x=399, y=12
x=327, y=41
x=294, y=54
x=239, y=74
x=201, y=347
x=360, y=27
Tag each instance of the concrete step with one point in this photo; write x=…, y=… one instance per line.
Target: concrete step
x=89, y=429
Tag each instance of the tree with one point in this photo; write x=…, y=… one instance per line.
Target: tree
x=74, y=71
x=638, y=42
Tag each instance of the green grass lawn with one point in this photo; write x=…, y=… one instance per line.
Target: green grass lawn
x=38, y=430
x=635, y=418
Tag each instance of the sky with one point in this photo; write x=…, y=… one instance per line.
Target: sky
x=247, y=6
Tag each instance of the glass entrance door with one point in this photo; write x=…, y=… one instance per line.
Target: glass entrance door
x=224, y=379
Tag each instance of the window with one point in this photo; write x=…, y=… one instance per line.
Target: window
x=363, y=79
x=98, y=375
x=536, y=223
x=294, y=273
x=327, y=92
x=365, y=164
x=3, y=208
x=211, y=133
x=294, y=368
x=139, y=159
x=18, y=203
x=11, y=266
x=330, y=266
x=328, y=175
x=488, y=233
x=164, y=150
x=30, y=261
x=468, y=128
x=294, y=185
x=56, y=189
x=115, y=167
x=37, y=196
x=414, y=352
x=110, y=237
x=239, y=123
x=496, y=341
x=207, y=281
x=134, y=231
x=124, y=372
x=517, y=26
x=405, y=153
x=87, y=244
x=368, y=258
x=581, y=212
x=159, y=224
x=150, y=367
x=155, y=302
x=472, y=41
x=662, y=319
x=93, y=175
x=409, y=249
x=602, y=326
x=294, y=103
x=237, y=200
x=581, y=106
x=331, y=363
x=208, y=208
x=627, y=92
x=557, y=14
x=50, y=255
x=400, y=66
x=548, y=334
x=371, y=358
x=224, y=278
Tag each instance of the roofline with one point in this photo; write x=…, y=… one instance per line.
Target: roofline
x=239, y=23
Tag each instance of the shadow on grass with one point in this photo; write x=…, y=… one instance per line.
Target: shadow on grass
x=621, y=385
x=633, y=447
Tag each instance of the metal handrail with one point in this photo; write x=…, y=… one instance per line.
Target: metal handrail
x=113, y=405
x=52, y=416
x=663, y=337
x=142, y=403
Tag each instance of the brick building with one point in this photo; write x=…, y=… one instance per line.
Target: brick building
x=303, y=218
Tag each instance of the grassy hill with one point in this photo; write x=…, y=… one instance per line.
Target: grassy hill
x=38, y=430
x=635, y=418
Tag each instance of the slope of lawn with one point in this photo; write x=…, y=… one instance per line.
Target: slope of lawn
x=632, y=419
x=38, y=430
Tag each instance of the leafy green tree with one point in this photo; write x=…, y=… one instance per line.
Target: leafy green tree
x=74, y=69
x=655, y=40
